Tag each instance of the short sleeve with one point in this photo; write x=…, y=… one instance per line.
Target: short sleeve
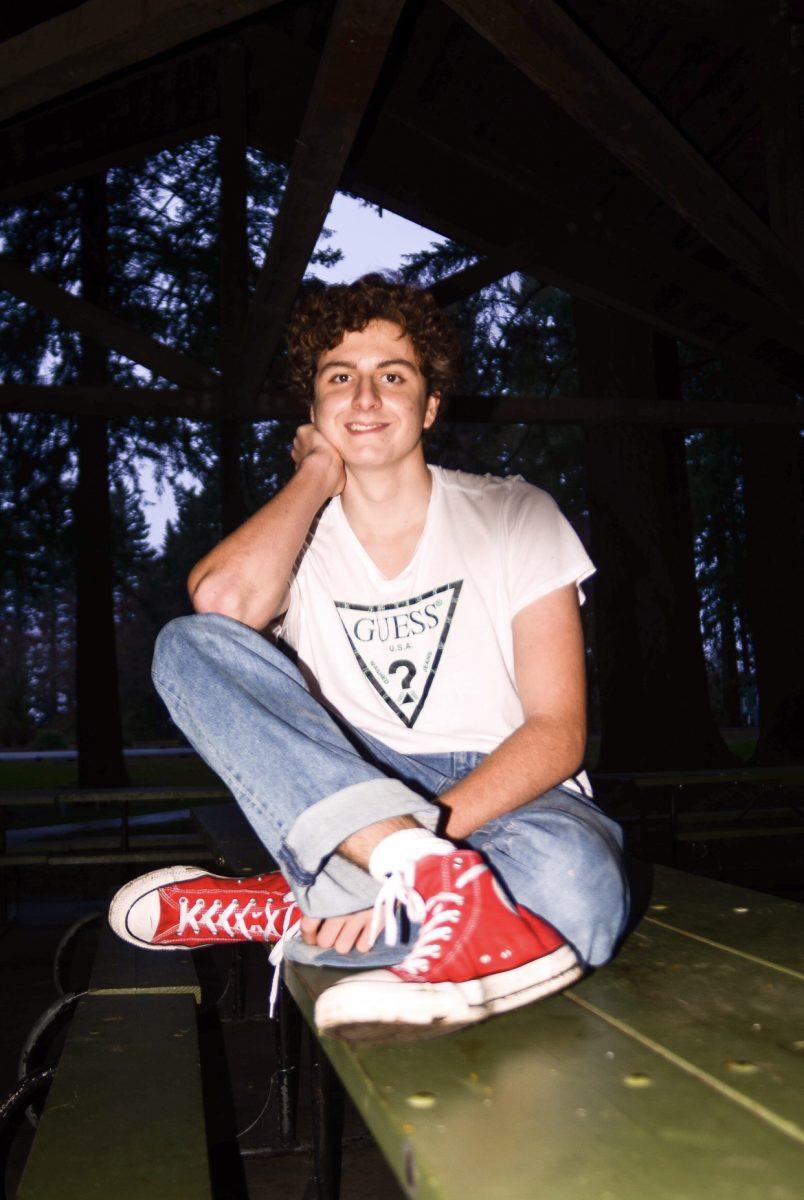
x=542, y=550
x=288, y=625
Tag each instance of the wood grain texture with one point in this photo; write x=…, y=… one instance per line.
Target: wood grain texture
x=117, y=1123
x=648, y=1078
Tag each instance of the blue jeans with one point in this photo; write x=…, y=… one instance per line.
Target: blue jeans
x=306, y=782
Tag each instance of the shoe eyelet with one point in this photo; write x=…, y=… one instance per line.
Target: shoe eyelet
x=505, y=954
x=485, y=958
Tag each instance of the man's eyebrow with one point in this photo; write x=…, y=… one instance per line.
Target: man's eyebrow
x=386, y=362
x=337, y=362
x=390, y=362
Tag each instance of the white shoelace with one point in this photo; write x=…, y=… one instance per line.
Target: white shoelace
x=231, y=920
x=216, y=919
x=278, y=953
x=444, y=909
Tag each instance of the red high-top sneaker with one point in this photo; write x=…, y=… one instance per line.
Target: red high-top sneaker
x=185, y=908
x=476, y=955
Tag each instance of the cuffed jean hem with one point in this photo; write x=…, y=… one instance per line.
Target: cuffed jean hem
x=325, y=882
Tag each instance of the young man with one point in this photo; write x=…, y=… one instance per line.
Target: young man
x=422, y=755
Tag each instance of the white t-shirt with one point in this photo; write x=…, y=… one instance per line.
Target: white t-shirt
x=424, y=661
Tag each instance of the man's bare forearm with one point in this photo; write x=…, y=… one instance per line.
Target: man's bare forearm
x=539, y=755
x=246, y=575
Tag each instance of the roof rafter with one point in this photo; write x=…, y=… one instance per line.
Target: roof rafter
x=355, y=49
x=551, y=50
x=103, y=327
x=596, y=271
x=96, y=38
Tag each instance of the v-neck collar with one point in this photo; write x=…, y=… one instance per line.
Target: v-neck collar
x=363, y=554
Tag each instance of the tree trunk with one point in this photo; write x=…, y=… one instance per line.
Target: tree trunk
x=730, y=682
x=99, y=732
x=654, y=700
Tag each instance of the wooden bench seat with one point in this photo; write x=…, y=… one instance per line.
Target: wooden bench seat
x=124, y=1116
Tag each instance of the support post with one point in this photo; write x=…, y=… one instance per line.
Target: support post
x=234, y=262
x=772, y=459
x=651, y=673
x=328, y=1112
x=288, y=1052
x=774, y=534
x=99, y=732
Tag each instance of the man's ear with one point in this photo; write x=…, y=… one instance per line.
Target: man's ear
x=312, y=414
x=431, y=407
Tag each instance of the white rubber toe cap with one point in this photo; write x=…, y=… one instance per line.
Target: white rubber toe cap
x=142, y=918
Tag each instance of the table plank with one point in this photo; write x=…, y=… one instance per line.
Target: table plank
x=718, y=1015
x=748, y=922
x=553, y=1101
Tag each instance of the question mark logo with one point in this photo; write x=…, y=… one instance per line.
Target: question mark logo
x=410, y=671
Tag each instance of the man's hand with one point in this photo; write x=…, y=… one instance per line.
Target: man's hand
x=310, y=444
x=340, y=933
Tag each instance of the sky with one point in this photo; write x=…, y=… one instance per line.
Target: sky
x=369, y=243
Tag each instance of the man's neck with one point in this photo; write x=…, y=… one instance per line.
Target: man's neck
x=379, y=505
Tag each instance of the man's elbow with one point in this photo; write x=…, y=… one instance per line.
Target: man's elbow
x=211, y=594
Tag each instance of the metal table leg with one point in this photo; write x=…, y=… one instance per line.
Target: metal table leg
x=288, y=1027
x=328, y=1107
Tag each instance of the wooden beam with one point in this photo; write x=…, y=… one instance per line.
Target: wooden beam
x=122, y=122
x=357, y=42
x=529, y=410
x=102, y=326
x=471, y=279
x=234, y=271
x=610, y=410
x=97, y=38
x=546, y=44
x=110, y=400
x=782, y=130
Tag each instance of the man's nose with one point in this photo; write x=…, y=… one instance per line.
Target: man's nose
x=366, y=394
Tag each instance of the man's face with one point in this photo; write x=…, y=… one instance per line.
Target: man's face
x=371, y=398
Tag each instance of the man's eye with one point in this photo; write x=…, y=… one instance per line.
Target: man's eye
x=392, y=376
x=341, y=377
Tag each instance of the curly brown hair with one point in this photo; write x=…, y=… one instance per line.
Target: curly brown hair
x=323, y=317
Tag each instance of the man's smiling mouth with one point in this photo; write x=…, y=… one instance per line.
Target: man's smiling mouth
x=364, y=427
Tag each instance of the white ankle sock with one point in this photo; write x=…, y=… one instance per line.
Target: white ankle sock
x=406, y=845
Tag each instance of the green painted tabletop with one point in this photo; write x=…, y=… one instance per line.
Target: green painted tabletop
x=675, y=1073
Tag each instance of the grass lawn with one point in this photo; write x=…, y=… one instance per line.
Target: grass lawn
x=160, y=771
x=184, y=771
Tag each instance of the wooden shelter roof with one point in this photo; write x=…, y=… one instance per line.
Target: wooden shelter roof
x=643, y=155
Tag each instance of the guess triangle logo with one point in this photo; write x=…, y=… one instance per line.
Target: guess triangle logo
x=399, y=645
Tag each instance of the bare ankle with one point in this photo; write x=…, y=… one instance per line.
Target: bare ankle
x=359, y=846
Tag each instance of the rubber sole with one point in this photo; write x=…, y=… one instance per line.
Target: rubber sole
x=377, y=1006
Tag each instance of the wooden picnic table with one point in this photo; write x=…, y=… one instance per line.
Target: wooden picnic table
x=676, y=1072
